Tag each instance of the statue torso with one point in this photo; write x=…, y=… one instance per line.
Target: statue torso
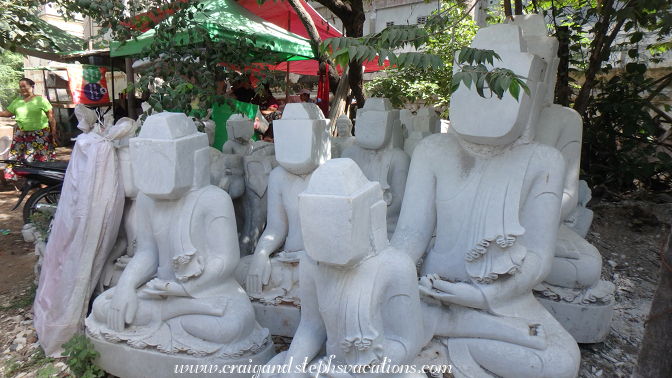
x=471, y=184
x=293, y=185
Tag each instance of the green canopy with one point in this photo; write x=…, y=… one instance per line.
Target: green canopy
x=225, y=19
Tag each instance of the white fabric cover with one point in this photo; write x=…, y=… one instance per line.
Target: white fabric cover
x=84, y=231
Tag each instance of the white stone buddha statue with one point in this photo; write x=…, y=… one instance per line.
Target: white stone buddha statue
x=177, y=297
x=344, y=138
x=359, y=296
x=302, y=143
x=424, y=125
x=572, y=291
x=492, y=196
x=239, y=130
x=378, y=130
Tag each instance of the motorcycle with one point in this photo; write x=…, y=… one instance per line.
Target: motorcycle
x=49, y=176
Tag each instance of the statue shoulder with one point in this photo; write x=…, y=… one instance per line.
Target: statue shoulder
x=277, y=174
x=214, y=198
x=401, y=156
x=546, y=167
x=435, y=147
x=353, y=150
x=547, y=158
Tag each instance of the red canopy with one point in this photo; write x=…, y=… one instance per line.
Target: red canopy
x=283, y=15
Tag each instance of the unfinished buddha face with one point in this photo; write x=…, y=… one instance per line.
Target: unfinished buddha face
x=169, y=157
x=343, y=216
x=302, y=139
x=240, y=128
x=490, y=120
x=375, y=122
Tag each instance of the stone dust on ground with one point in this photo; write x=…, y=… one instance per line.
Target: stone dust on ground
x=628, y=232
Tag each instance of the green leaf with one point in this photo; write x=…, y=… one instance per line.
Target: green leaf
x=352, y=52
x=401, y=60
x=467, y=79
x=480, y=84
x=514, y=89
x=372, y=55
x=362, y=51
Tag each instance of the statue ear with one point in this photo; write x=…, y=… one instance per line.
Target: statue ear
x=378, y=219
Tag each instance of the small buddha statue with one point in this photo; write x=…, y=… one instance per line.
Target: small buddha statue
x=240, y=130
x=344, y=138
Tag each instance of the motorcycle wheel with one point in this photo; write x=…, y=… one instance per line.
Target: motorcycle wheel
x=45, y=201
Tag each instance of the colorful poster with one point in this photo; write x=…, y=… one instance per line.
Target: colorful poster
x=88, y=84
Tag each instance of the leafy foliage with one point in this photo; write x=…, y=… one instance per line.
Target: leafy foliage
x=81, y=354
x=11, y=71
x=448, y=23
x=611, y=46
x=498, y=80
x=402, y=85
x=621, y=137
x=42, y=220
x=16, y=29
x=186, y=60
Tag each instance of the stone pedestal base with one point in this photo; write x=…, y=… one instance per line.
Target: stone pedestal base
x=125, y=362
x=587, y=323
x=281, y=320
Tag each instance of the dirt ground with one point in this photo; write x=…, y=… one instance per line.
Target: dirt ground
x=628, y=232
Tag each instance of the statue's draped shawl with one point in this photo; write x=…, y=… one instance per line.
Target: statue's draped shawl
x=492, y=223
x=356, y=309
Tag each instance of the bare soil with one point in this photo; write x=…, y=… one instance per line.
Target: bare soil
x=628, y=232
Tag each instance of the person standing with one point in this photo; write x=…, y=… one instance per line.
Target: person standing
x=36, y=131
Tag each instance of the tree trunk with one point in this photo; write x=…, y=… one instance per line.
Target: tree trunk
x=352, y=16
x=562, y=89
x=599, y=53
x=654, y=359
x=316, y=41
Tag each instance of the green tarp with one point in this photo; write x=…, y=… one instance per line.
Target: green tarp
x=221, y=113
x=226, y=19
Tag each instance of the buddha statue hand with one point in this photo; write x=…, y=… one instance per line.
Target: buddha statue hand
x=259, y=273
x=123, y=308
x=164, y=288
x=448, y=293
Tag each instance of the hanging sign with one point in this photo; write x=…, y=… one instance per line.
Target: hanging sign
x=88, y=84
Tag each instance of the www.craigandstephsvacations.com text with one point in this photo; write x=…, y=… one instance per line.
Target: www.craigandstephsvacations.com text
x=327, y=367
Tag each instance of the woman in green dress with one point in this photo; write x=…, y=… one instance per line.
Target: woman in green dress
x=36, y=131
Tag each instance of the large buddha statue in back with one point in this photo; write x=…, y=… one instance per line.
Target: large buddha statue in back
x=492, y=197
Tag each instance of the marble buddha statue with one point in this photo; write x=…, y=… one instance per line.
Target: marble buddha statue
x=359, y=295
x=302, y=143
x=379, y=132
x=177, y=298
x=492, y=196
x=344, y=138
x=572, y=291
x=240, y=130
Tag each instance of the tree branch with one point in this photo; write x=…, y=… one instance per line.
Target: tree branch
x=339, y=8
